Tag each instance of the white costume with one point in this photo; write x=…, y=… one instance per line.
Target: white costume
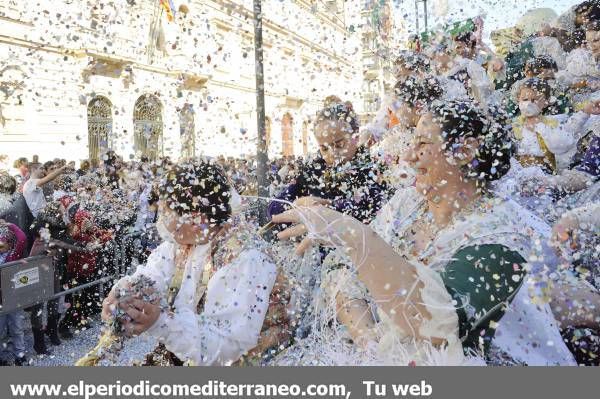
x=581, y=65
x=235, y=304
x=527, y=332
x=481, y=85
x=560, y=134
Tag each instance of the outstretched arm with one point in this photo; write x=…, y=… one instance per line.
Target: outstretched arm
x=394, y=283
x=51, y=176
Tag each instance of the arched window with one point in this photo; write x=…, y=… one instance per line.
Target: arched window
x=187, y=130
x=287, y=135
x=148, y=127
x=99, y=115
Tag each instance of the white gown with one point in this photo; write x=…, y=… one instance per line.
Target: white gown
x=527, y=331
x=581, y=66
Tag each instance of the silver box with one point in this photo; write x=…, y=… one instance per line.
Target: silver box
x=26, y=282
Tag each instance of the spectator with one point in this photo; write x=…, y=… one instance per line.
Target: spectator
x=13, y=244
x=22, y=165
x=32, y=190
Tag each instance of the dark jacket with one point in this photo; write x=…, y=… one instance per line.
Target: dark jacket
x=20, y=215
x=355, y=188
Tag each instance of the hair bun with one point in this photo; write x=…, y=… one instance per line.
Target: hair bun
x=459, y=119
x=197, y=186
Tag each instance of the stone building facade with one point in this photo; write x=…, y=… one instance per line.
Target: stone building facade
x=78, y=77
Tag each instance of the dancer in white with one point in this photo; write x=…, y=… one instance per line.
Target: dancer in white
x=213, y=274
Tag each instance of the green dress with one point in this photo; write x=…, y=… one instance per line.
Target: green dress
x=482, y=280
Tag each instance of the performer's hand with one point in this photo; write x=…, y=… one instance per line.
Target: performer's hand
x=320, y=224
x=143, y=315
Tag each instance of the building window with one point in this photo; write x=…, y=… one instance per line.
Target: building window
x=99, y=113
x=148, y=127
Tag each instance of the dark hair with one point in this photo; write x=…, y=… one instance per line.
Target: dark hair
x=537, y=84
x=467, y=38
x=110, y=158
x=412, y=61
x=589, y=9
x=339, y=112
x=414, y=90
x=197, y=186
x=593, y=24
x=536, y=64
x=460, y=119
x=8, y=185
x=65, y=182
x=582, y=7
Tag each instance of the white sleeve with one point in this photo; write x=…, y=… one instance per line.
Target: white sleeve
x=560, y=139
x=157, y=268
x=575, y=124
x=237, y=300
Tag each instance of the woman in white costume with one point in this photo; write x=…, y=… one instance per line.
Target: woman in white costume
x=582, y=71
x=433, y=276
x=213, y=275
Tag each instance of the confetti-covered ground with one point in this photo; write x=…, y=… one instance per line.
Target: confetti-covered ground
x=72, y=349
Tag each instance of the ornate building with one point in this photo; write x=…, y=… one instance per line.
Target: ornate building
x=380, y=36
x=78, y=77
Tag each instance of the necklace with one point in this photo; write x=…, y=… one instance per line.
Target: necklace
x=422, y=219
